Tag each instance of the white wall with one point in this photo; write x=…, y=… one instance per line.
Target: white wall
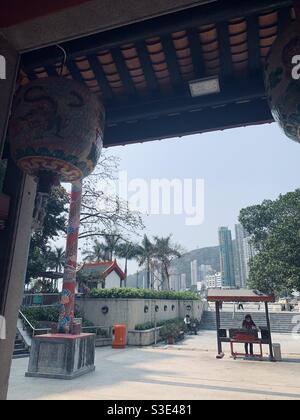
x=112, y=280
x=131, y=311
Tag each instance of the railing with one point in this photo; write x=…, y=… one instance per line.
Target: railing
x=41, y=299
x=37, y=331
x=98, y=329
x=28, y=326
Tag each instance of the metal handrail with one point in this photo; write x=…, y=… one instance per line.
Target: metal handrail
x=33, y=329
x=96, y=328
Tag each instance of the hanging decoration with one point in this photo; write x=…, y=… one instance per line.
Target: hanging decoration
x=56, y=133
x=283, y=88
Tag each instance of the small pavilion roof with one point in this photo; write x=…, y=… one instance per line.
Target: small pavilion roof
x=241, y=295
x=101, y=269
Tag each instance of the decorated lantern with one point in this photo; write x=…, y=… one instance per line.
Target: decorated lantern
x=283, y=88
x=56, y=130
x=56, y=133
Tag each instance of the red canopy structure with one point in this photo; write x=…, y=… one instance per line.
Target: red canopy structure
x=238, y=296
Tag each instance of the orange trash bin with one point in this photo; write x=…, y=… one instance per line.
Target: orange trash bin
x=119, y=337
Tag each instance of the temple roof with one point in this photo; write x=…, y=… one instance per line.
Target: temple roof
x=142, y=70
x=100, y=270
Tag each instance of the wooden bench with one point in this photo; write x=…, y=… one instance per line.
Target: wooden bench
x=245, y=339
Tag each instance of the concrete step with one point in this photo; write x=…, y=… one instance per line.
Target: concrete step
x=20, y=349
x=280, y=322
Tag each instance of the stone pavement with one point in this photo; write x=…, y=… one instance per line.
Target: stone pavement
x=186, y=371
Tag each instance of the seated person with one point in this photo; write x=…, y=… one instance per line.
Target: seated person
x=187, y=322
x=248, y=324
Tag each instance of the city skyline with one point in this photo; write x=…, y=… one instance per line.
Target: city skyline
x=240, y=168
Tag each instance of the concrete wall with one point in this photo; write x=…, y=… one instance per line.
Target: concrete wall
x=143, y=338
x=131, y=311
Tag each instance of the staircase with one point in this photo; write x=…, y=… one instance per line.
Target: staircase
x=280, y=322
x=20, y=350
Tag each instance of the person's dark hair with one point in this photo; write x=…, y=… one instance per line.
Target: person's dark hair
x=248, y=317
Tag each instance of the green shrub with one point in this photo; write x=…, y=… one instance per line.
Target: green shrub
x=36, y=315
x=44, y=316
x=131, y=293
x=173, y=328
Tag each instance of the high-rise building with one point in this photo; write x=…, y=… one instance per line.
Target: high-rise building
x=226, y=257
x=213, y=281
x=204, y=270
x=240, y=236
x=194, y=272
x=183, y=282
x=245, y=252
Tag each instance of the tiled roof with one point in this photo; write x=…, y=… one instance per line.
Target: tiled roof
x=143, y=80
x=100, y=270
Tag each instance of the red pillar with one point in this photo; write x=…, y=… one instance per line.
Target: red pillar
x=69, y=282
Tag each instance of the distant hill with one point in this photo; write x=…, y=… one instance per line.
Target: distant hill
x=182, y=265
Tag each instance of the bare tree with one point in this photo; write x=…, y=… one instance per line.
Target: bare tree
x=104, y=212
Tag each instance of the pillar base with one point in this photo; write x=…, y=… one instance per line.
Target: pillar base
x=61, y=356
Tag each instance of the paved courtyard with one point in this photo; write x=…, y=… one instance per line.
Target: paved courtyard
x=186, y=371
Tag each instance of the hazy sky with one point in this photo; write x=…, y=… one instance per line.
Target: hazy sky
x=240, y=167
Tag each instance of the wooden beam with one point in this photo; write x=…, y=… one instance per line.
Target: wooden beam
x=187, y=123
x=197, y=53
x=224, y=50
x=253, y=44
x=101, y=78
x=173, y=65
x=7, y=87
x=14, y=248
x=284, y=19
x=75, y=72
x=146, y=63
x=123, y=72
x=160, y=26
x=220, y=354
x=51, y=70
x=231, y=92
x=270, y=332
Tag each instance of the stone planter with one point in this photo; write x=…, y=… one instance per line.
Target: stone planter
x=143, y=338
x=103, y=341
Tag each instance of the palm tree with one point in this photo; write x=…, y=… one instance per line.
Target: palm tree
x=164, y=253
x=111, y=244
x=103, y=251
x=96, y=254
x=128, y=251
x=57, y=259
x=145, y=254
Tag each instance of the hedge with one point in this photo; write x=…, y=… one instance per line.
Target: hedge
x=41, y=315
x=131, y=293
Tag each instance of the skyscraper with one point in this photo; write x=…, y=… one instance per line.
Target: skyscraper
x=194, y=272
x=240, y=236
x=226, y=257
x=245, y=252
